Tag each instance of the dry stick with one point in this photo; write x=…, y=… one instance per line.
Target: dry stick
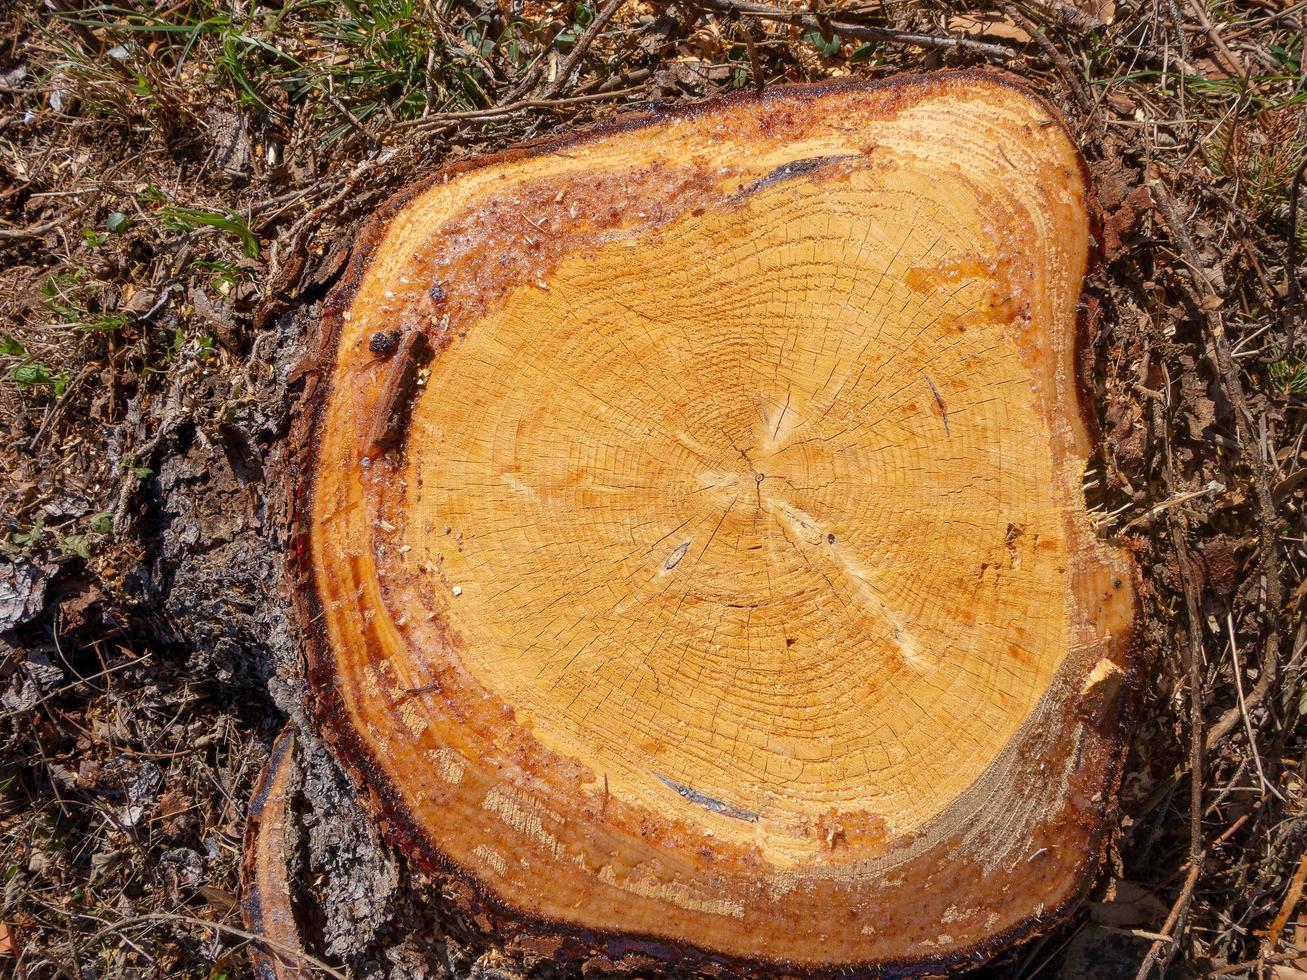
x=35, y=231
x=581, y=47
x=1252, y=967
x=1172, y=501
x=1268, y=545
x=1231, y=62
x=748, y=27
x=527, y=79
x=1291, y=899
x=14, y=713
x=1297, y=647
x=58, y=409
x=811, y=22
x=1243, y=708
x=440, y=119
x=1171, y=926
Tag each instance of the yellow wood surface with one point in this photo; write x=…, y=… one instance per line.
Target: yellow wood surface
x=737, y=528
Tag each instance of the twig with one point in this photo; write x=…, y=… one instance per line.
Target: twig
x=1243, y=707
x=1173, y=501
x=437, y=120
x=36, y=231
x=581, y=47
x=15, y=713
x=811, y=22
x=57, y=410
x=1177, y=525
x=1253, y=967
x=1291, y=899
x=1213, y=34
x=1170, y=928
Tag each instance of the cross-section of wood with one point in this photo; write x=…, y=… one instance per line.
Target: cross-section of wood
x=693, y=543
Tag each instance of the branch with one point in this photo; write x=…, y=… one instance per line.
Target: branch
x=581, y=47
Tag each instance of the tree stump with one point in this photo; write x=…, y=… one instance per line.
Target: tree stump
x=691, y=545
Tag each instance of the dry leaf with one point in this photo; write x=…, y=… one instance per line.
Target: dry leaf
x=987, y=25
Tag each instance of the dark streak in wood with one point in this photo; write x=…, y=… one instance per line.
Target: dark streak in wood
x=939, y=400
x=675, y=557
x=788, y=171
x=391, y=414
x=708, y=802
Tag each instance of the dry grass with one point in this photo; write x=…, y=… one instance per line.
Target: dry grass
x=172, y=172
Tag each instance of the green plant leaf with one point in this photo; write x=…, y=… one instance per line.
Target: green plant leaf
x=31, y=537
x=75, y=544
x=828, y=49
x=178, y=218
x=32, y=373
x=862, y=53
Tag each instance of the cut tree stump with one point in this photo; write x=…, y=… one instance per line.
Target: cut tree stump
x=692, y=546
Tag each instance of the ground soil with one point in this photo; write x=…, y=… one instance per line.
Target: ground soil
x=179, y=184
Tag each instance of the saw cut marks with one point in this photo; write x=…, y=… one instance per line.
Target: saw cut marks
x=693, y=539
